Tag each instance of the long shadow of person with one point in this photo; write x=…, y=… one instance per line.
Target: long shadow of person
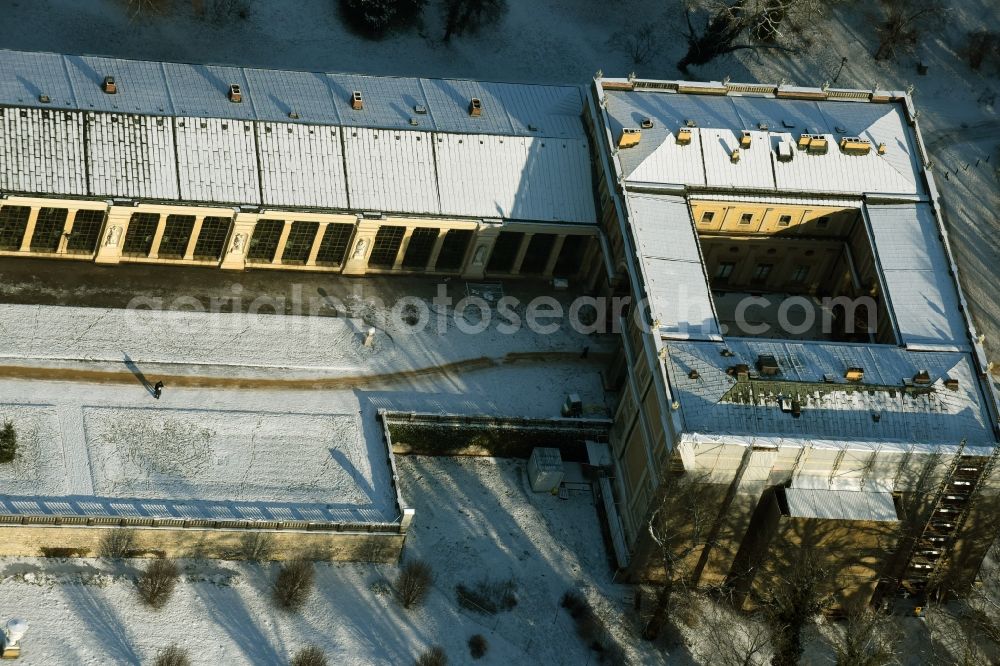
x=134, y=369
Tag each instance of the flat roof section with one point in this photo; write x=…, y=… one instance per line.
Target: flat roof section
x=717, y=122
x=917, y=276
x=880, y=407
x=679, y=298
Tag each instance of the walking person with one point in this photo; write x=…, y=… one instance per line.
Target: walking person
x=157, y=389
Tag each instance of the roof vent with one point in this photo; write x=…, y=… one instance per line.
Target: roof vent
x=44, y=99
x=854, y=374
x=356, y=102
x=693, y=374
x=690, y=123
x=235, y=94
x=767, y=365
x=785, y=152
x=647, y=123
x=829, y=378
x=881, y=149
x=683, y=136
x=740, y=371
x=109, y=86
x=763, y=127
x=787, y=123
x=294, y=115
x=746, y=139
x=475, y=107
x=420, y=109
x=951, y=384
x=726, y=352
x=922, y=378
x=814, y=143
x=414, y=121
x=629, y=137
x=734, y=156
x=853, y=145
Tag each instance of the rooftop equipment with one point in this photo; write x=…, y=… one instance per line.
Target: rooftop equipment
x=545, y=469
x=852, y=145
x=629, y=137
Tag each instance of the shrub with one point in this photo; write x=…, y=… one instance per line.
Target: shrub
x=293, y=584
x=575, y=604
x=309, y=656
x=478, y=646
x=487, y=597
x=117, y=543
x=414, y=582
x=375, y=18
x=256, y=546
x=157, y=582
x=8, y=442
x=434, y=656
x=172, y=656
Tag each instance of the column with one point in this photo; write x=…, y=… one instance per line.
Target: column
x=109, y=247
x=67, y=230
x=161, y=226
x=282, y=241
x=435, y=251
x=521, y=251
x=29, y=230
x=234, y=257
x=550, y=265
x=314, y=250
x=396, y=265
x=193, y=241
x=482, y=243
x=356, y=262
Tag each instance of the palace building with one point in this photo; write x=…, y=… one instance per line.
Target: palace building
x=866, y=429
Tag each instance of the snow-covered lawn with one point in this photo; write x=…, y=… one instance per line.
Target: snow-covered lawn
x=281, y=454
x=476, y=519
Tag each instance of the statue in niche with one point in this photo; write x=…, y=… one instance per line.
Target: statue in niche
x=359, y=249
x=114, y=235
x=238, y=241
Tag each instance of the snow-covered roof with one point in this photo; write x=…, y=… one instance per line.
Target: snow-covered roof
x=717, y=122
x=884, y=406
x=170, y=132
x=917, y=276
x=840, y=504
x=671, y=264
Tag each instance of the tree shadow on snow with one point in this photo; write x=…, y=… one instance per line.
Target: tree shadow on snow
x=229, y=611
x=102, y=620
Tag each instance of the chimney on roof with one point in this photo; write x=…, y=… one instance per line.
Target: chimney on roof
x=235, y=94
x=951, y=384
x=854, y=374
x=922, y=378
x=683, y=136
x=475, y=107
x=746, y=139
x=109, y=86
x=647, y=123
x=629, y=137
x=356, y=102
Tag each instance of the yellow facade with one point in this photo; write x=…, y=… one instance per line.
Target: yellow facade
x=234, y=239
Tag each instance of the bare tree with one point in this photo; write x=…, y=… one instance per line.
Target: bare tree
x=794, y=596
x=903, y=23
x=736, y=639
x=871, y=639
x=679, y=527
x=733, y=25
x=468, y=16
x=139, y=8
x=640, y=45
